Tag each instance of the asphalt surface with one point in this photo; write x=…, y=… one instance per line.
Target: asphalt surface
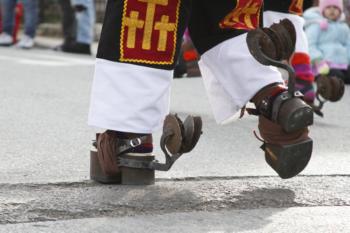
x=224, y=185
x=64, y=201
x=309, y=220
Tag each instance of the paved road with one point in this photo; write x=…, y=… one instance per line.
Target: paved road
x=44, y=169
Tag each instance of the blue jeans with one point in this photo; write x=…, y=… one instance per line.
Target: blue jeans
x=30, y=16
x=85, y=21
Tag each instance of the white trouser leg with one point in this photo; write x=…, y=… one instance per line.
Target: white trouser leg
x=129, y=98
x=232, y=77
x=271, y=17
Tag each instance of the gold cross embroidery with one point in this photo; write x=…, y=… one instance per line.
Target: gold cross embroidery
x=247, y=11
x=133, y=23
x=164, y=27
x=150, y=12
x=299, y=4
x=296, y=6
x=250, y=9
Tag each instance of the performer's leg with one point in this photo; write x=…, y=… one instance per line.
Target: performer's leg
x=233, y=77
x=230, y=73
x=271, y=17
x=276, y=11
x=133, y=73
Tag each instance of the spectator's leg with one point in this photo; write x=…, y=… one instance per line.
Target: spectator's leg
x=8, y=15
x=68, y=22
x=180, y=68
x=85, y=19
x=347, y=76
x=304, y=76
x=337, y=73
x=85, y=23
x=30, y=17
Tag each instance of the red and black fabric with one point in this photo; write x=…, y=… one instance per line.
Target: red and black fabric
x=123, y=34
x=286, y=6
x=212, y=23
x=157, y=50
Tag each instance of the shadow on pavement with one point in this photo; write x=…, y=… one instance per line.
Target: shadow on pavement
x=263, y=203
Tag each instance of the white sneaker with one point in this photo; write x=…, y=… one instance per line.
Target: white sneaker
x=26, y=42
x=5, y=39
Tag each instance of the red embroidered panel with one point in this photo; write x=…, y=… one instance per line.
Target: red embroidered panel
x=246, y=15
x=296, y=7
x=149, y=31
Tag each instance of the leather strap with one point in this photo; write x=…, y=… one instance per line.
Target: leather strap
x=127, y=144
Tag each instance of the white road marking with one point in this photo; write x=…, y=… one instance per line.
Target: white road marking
x=47, y=60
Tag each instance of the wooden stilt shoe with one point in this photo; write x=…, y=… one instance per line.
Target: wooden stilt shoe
x=97, y=174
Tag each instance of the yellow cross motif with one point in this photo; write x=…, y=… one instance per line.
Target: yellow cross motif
x=151, y=8
x=133, y=23
x=248, y=11
x=164, y=27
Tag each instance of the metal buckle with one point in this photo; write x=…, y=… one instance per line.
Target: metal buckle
x=135, y=144
x=298, y=94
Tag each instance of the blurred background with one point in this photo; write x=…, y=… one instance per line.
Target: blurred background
x=74, y=26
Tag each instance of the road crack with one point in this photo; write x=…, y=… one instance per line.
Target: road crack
x=20, y=203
